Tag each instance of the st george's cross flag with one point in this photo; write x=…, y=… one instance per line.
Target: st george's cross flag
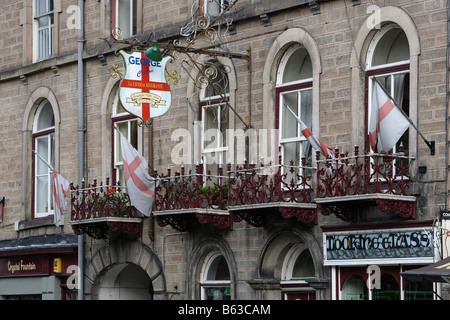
x=387, y=123
x=59, y=190
x=140, y=185
x=312, y=139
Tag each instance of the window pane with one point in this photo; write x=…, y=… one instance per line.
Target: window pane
x=41, y=7
x=42, y=148
x=42, y=192
x=46, y=119
x=210, y=127
x=306, y=108
x=291, y=151
x=217, y=293
x=354, y=289
x=289, y=125
x=304, y=266
x=392, y=47
x=218, y=270
x=389, y=289
x=298, y=67
x=124, y=17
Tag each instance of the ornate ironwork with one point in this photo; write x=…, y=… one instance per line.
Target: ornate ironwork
x=380, y=178
x=99, y=209
x=185, y=195
x=255, y=191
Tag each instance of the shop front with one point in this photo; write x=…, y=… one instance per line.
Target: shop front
x=366, y=261
x=38, y=270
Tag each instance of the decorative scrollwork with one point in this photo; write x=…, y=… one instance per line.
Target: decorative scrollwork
x=116, y=72
x=117, y=33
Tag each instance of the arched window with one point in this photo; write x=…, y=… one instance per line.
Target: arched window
x=128, y=126
x=294, y=89
x=44, y=145
x=215, y=278
x=298, y=264
x=388, y=65
x=354, y=288
x=214, y=116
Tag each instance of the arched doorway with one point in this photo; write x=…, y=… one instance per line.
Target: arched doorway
x=124, y=281
x=125, y=269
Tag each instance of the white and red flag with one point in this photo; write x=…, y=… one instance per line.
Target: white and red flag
x=140, y=185
x=312, y=139
x=387, y=123
x=59, y=190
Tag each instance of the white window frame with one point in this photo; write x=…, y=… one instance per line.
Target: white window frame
x=47, y=134
x=44, y=38
x=220, y=6
x=204, y=282
x=282, y=110
x=128, y=119
x=130, y=19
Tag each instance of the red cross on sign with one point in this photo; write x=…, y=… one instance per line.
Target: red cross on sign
x=144, y=91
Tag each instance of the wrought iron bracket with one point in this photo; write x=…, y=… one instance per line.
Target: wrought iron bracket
x=183, y=220
x=99, y=228
x=346, y=208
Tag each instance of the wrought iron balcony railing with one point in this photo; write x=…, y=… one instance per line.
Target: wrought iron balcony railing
x=99, y=209
x=186, y=195
x=253, y=190
x=346, y=181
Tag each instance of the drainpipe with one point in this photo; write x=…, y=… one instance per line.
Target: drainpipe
x=81, y=131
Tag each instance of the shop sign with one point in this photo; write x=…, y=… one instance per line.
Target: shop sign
x=24, y=266
x=382, y=245
x=144, y=91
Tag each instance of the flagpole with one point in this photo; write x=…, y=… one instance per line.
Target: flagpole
x=430, y=144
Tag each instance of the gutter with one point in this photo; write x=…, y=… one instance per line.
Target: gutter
x=81, y=134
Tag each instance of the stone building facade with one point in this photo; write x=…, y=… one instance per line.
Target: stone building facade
x=306, y=229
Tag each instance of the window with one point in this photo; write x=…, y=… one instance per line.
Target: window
x=215, y=278
x=388, y=63
x=214, y=113
x=44, y=29
x=213, y=8
x=298, y=266
x=129, y=127
x=124, y=16
x=44, y=145
x=294, y=89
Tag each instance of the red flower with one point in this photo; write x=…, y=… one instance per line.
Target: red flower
x=111, y=190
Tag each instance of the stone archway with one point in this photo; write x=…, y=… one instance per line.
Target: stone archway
x=125, y=269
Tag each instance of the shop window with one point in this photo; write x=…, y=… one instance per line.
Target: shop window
x=44, y=145
x=215, y=278
x=43, y=29
x=388, y=63
x=389, y=289
x=128, y=125
x=418, y=291
x=294, y=89
x=354, y=288
x=124, y=15
x=215, y=117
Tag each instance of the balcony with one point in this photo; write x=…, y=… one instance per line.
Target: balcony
x=186, y=197
x=247, y=192
x=102, y=210
x=347, y=183
x=256, y=191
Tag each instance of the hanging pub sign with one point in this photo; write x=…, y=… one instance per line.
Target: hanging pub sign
x=381, y=246
x=143, y=90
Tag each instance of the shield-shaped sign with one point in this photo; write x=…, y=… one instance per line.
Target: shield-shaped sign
x=144, y=91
